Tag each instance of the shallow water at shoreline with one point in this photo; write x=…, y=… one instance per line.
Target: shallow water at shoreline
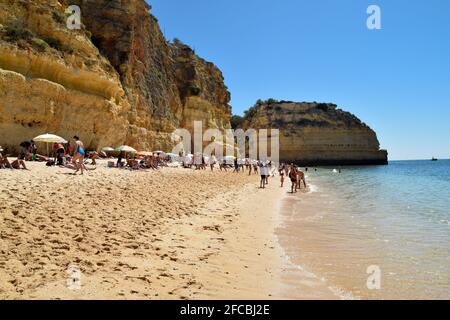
x=394, y=217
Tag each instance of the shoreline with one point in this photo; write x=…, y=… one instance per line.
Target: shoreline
x=317, y=286
x=342, y=230
x=299, y=283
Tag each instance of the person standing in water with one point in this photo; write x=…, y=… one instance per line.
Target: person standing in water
x=33, y=150
x=78, y=155
x=293, y=177
x=300, y=179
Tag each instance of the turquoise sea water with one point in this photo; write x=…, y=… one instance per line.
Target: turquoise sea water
x=395, y=217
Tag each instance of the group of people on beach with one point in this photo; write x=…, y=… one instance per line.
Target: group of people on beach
x=266, y=169
x=69, y=155
x=135, y=162
x=74, y=156
x=294, y=173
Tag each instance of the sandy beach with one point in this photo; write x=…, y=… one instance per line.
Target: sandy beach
x=167, y=234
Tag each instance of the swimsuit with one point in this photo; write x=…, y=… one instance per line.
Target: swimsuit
x=81, y=151
x=293, y=177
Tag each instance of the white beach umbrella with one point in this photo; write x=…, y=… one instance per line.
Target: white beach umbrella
x=49, y=138
x=126, y=149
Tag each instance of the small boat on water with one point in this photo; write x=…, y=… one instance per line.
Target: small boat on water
x=434, y=159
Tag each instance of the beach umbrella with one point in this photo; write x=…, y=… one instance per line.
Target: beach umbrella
x=144, y=154
x=126, y=149
x=49, y=138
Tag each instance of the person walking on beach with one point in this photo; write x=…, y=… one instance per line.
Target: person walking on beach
x=241, y=165
x=203, y=166
x=255, y=167
x=223, y=165
x=293, y=177
x=236, y=166
x=212, y=162
x=78, y=155
x=262, y=171
x=268, y=169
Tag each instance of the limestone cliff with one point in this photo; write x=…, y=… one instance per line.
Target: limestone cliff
x=317, y=133
x=115, y=81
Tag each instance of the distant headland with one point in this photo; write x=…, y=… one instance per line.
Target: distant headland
x=313, y=134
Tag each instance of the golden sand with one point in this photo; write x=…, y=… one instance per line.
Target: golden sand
x=167, y=234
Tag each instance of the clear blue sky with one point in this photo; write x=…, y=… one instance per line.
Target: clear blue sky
x=397, y=79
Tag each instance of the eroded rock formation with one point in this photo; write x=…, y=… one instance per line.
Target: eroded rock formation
x=317, y=133
x=115, y=81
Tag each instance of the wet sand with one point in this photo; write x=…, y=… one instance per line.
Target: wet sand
x=168, y=234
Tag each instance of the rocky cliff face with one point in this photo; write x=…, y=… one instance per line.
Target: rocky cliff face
x=317, y=133
x=115, y=81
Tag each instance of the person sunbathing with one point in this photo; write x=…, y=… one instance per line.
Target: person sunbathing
x=4, y=162
x=132, y=163
x=40, y=158
x=151, y=163
x=17, y=163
